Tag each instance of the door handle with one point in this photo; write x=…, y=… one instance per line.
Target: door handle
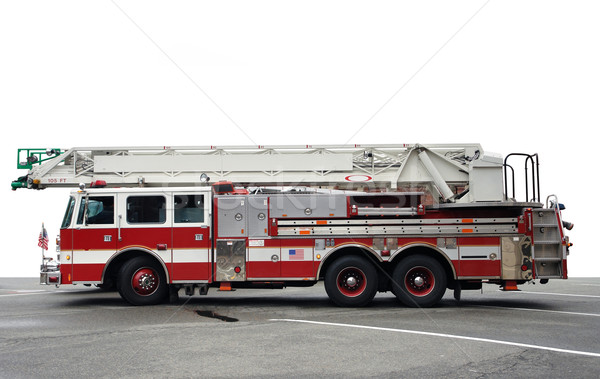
x=119, y=227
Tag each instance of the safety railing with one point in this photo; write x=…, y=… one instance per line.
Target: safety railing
x=531, y=178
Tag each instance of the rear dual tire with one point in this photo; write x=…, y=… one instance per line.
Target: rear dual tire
x=419, y=281
x=351, y=281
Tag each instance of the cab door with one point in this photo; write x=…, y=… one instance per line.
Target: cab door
x=191, y=246
x=94, y=237
x=144, y=225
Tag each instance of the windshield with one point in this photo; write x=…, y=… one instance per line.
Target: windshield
x=68, y=213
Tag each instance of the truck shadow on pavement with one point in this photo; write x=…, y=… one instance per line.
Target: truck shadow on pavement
x=247, y=301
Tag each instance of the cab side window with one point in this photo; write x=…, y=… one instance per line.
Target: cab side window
x=189, y=208
x=146, y=209
x=96, y=210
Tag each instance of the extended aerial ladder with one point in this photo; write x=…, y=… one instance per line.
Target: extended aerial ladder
x=450, y=172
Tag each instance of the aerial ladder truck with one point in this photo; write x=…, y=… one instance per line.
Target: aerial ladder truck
x=412, y=219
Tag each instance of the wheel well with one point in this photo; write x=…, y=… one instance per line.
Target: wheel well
x=430, y=252
x=112, y=269
x=345, y=251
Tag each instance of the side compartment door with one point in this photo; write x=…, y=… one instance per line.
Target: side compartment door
x=94, y=237
x=297, y=261
x=264, y=253
x=191, y=237
x=480, y=257
x=231, y=238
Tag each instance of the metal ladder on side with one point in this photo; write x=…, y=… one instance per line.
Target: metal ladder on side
x=548, y=249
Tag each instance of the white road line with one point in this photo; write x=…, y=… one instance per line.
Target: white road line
x=476, y=339
x=27, y=291
x=23, y=294
x=555, y=294
x=35, y=292
x=41, y=292
x=539, y=310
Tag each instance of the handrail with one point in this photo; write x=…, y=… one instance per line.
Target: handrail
x=535, y=176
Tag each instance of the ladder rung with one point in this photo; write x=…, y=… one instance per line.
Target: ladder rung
x=547, y=259
x=550, y=242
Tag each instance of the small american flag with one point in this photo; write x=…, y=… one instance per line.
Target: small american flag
x=43, y=239
x=296, y=254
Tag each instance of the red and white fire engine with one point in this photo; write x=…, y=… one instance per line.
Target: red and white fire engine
x=412, y=219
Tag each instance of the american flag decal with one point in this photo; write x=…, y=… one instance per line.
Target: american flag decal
x=296, y=254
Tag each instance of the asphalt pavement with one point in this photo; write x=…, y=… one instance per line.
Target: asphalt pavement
x=547, y=331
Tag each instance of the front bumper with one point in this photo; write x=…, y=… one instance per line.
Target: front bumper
x=50, y=272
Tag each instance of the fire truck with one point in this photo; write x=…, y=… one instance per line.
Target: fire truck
x=412, y=219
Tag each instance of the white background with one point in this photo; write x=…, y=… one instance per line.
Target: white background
x=515, y=76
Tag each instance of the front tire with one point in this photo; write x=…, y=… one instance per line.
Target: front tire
x=419, y=281
x=351, y=281
x=142, y=281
